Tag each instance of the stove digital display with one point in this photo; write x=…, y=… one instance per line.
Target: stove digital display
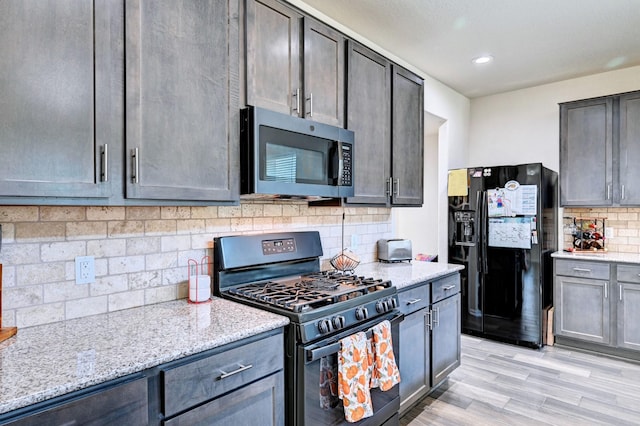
x=278, y=246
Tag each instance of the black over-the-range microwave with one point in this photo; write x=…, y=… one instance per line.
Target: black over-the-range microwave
x=283, y=156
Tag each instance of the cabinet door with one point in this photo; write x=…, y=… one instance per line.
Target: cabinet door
x=445, y=338
x=629, y=316
x=181, y=116
x=273, y=57
x=323, y=73
x=407, y=139
x=414, y=358
x=630, y=149
x=261, y=402
x=58, y=62
x=586, y=150
x=369, y=116
x=582, y=309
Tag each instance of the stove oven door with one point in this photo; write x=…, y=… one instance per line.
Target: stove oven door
x=317, y=402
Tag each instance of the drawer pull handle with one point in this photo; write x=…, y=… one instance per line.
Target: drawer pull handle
x=449, y=287
x=413, y=301
x=582, y=270
x=242, y=368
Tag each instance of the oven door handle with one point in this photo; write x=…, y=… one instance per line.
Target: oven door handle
x=332, y=348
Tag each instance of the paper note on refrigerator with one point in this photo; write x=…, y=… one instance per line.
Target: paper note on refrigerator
x=512, y=232
x=457, y=185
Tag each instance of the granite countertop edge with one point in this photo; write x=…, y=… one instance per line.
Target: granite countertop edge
x=608, y=256
x=51, y=360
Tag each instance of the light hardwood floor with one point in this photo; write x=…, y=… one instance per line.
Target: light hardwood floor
x=501, y=384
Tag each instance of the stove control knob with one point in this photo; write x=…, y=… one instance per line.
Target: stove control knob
x=324, y=326
x=338, y=322
x=361, y=314
x=382, y=306
x=393, y=303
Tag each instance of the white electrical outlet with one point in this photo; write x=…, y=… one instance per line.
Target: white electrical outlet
x=354, y=241
x=85, y=270
x=608, y=232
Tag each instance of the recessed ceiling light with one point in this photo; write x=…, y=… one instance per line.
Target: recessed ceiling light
x=482, y=59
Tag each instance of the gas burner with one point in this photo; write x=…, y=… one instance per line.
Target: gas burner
x=317, y=283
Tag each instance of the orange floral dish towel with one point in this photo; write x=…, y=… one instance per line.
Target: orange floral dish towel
x=385, y=372
x=354, y=377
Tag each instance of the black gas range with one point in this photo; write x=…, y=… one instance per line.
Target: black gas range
x=281, y=273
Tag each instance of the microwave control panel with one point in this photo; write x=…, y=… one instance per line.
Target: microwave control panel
x=347, y=161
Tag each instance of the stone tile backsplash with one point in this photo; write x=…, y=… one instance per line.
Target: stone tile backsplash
x=141, y=253
x=623, y=223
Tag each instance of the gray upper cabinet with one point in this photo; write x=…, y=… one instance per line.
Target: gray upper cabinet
x=369, y=116
x=407, y=138
x=294, y=64
x=385, y=106
x=599, y=148
x=59, y=97
x=586, y=153
x=630, y=149
x=181, y=100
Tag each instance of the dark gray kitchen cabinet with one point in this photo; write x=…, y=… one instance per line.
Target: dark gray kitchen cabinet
x=233, y=386
x=294, y=64
x=582, y=301
x=60, y=97
x=628, y=307
x=120, y=402
x=369, y=116
x=598, y=151
x=415, y=345
x=385, y=106
x=407, y=138
x=629, y=113
x=182, y=110
x=430, y=342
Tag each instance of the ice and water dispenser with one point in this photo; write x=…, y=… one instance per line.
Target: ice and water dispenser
x=465, y=232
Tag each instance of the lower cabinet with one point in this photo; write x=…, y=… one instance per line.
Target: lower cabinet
x=234, y=387
x=121, y=402
x=429, y=337
x=597, y=304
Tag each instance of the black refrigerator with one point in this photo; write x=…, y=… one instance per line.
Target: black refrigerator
x=503, y=224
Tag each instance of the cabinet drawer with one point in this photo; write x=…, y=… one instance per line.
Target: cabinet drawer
x=597, y=270
x=445, y=287
x=201, y=380
x=414, y=299
x=628, y=273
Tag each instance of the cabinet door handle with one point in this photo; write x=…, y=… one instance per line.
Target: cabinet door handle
x=297, y=103
x=389, y=185
x=606, y=290
x=310, y=99
x=104, y=163
x=134, y=165
x=413, y=301
x=620, y=291
x=608, y=192
x=582, y=270
x=429, y=321
x=242, y=368
x=436, y=317
x=397, y=185
x=622, y=196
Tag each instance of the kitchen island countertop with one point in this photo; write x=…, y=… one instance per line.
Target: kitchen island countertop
x=46, y=361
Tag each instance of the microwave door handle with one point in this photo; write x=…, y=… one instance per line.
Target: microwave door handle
x=340, y=164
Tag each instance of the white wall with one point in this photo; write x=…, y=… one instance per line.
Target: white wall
x=522, y=126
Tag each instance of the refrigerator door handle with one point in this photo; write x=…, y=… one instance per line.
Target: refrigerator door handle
x=485, y=232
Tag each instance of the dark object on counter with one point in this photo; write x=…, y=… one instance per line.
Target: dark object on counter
x=394, y=250
x=506, y=249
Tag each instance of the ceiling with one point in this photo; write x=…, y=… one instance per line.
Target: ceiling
x=533, y=42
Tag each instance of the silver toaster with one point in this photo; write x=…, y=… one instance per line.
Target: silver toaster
x=394, y=250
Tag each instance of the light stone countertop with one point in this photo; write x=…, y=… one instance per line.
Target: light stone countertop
x=50, y=360
x=406, y=274
x=46, y=361
x=599, y=256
